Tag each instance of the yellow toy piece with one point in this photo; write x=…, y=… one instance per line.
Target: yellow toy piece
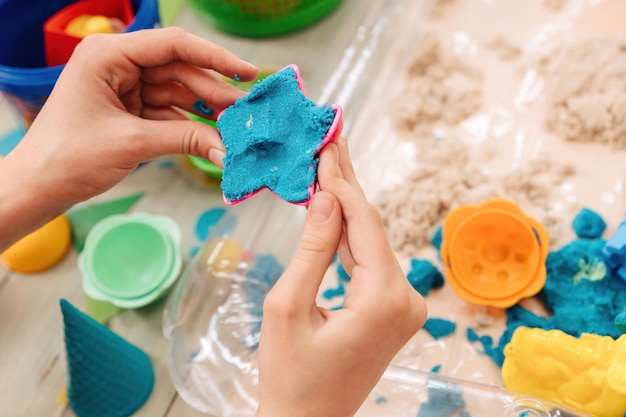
x=494, y=254
x=222, y=255
x=587, y=373
x=86, y=24
x=41, y=249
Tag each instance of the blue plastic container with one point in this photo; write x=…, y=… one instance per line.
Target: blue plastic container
x=25, y=80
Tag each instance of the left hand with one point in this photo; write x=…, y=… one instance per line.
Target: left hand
x=116, y=104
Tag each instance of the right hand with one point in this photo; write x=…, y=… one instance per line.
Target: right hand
x=319, y=363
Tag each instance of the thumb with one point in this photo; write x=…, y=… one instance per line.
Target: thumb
x=166, y=137
x=318, y=245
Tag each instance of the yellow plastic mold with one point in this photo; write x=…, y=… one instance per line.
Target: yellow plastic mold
x=588, y=373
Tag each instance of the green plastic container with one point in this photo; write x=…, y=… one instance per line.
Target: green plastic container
x=263, y=18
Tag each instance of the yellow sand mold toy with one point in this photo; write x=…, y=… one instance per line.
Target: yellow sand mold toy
x=587, y=373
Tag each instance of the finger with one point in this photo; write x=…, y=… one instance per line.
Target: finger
x=162, y=113
x=318, y=245
x=197, y=80
x=366, y=239
x=345, y=164
x=155, y=47
x=329, y=169
x=174, y=94
x=165, y=137
x=168, y=94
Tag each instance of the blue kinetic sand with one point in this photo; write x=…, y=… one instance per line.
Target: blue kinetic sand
x=439, y=328
x=588, y=224
x=424, y=276
x=108, y=377
x=272, y=138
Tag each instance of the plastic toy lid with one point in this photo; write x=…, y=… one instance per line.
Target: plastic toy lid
x=128, y=257
x=494, y=254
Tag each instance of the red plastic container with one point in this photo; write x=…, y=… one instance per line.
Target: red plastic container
x=60, y=45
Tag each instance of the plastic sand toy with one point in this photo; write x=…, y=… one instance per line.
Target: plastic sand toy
x=131, y=260
x=588, y=374
x=108, y=377
x=273, y=137
x=494, y=254
x=66, y=28
x=41, y=249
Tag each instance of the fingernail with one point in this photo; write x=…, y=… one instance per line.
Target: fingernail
x=321, y=207
x=251, y=65
x=216, y=156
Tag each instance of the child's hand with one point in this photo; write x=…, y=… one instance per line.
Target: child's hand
x=116, y=104
x=319, y=363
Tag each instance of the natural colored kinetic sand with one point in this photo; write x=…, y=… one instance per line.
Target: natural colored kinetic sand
x=440, y=87
x=504, y=48
x=272, y=137
x=554, y=5
x=449, y=174
x=586, y=91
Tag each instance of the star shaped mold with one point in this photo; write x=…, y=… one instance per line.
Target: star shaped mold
x=273, y=137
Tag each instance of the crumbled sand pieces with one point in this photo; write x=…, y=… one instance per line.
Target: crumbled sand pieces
x=586, y=91
x=439, y=88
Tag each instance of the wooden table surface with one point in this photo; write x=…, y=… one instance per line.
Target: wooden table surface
x=338, y=58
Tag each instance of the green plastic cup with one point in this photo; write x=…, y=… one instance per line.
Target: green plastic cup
x=130, y=259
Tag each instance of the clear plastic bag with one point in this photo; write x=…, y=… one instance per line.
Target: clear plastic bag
x=213, y=321
x=213, y=316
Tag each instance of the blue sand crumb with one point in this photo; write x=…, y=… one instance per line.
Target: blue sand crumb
x=338, y=291
x=437, y=238
x=272, y=137
x=167, y=164
x=472, y=336
x=580, y=303
x=194, y=251
x=439, y=327
x=200, y=107
x=381, y=400
x=424, y=276
x=342, y=274
x=236, y=77
x=588, y=224
x=435, y=369
x=443, y=401
x=207, y=221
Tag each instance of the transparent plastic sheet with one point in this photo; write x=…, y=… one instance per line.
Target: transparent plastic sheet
x=213, y=352
x=213, y=316
x=213, y=319
x=505, y=134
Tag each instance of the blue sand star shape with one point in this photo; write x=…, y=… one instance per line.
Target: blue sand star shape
x=272, y=137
